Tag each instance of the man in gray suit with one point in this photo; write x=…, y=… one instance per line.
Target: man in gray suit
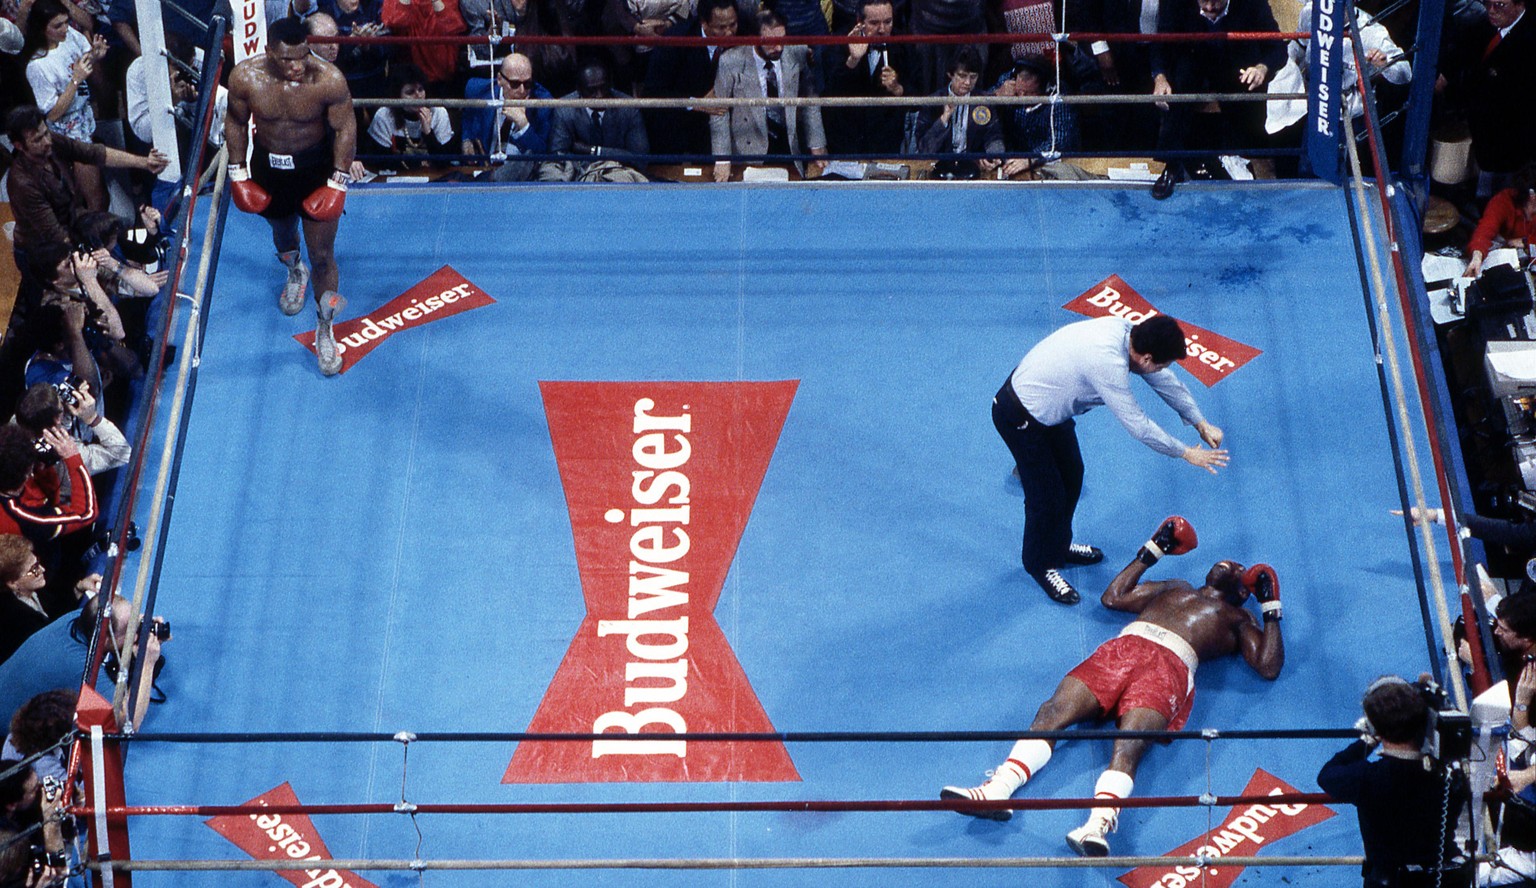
x=771, y=70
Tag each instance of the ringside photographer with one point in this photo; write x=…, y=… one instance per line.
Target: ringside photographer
x=1411, y=798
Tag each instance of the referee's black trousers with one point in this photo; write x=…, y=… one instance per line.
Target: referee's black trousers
x=1051, y=471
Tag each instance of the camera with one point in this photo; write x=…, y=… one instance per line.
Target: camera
x=45, y=452
x=1448, y=734
x=69, y=391
x=162, y=629
x=53, y=788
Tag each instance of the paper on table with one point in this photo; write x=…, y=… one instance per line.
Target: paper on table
x=1517, y=362
x=1135, y=173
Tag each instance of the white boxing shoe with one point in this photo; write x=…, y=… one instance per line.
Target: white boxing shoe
x=1092, y=838
x=987, y=792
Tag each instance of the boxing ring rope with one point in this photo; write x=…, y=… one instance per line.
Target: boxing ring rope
x=719, y=863
x=806, y=39
x=413, y=809
x=1393, y=363
x=908, y=102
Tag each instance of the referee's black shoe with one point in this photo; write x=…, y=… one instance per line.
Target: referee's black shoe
x=1172, y=175
x=1078, y=553
x=1057, y=587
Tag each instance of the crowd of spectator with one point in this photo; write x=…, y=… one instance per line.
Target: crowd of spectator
x=69, y=59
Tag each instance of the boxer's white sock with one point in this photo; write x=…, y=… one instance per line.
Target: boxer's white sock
x=1024, y=761
x=1111, y=785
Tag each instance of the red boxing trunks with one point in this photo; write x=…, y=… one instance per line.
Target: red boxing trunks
x=1145, y=667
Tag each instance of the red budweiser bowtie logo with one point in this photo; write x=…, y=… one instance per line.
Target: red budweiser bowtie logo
x=443, y=294
x=284, y=837
x=1242, y=834
x=659, y=478
x=1212, y=357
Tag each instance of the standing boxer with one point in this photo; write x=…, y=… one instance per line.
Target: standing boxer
x=1071, y=371
x=1146, y=674
x=306, y=138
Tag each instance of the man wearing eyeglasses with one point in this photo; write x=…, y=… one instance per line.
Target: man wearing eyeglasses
x=1492, y=71
x=508, y=130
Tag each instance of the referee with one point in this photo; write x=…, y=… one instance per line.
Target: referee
x=1071, y=371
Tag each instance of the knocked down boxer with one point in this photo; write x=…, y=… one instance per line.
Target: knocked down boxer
x=1146, y=675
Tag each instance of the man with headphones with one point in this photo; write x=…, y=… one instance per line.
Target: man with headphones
x=1408, y=804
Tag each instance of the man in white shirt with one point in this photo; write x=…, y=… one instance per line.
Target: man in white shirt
x=1079, y=367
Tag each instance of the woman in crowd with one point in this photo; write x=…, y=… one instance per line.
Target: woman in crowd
x=1510, y=217
x=59, y=60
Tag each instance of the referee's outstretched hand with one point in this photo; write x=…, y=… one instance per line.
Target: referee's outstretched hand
x=1210, y=460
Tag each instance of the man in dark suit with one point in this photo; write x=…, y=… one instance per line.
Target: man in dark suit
x=602, y=133
x=688, y=71
x=770, y=70
x=1123, y=65
x=872, y=70
x=961, y=129
x=1219, y=66
x=1493, y=74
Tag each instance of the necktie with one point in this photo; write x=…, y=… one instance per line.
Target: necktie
x=597, y=125
x=1492, y=44
x=877, y=58
x=771, y=88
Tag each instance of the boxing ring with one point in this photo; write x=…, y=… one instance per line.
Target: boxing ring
x=388, y=587
x=392, y=550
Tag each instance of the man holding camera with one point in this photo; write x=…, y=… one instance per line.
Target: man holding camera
x=52, y=658
x=26, y=802
x=1145, y=676
x=31, y=503
x=1407, y=810
x=73, y=407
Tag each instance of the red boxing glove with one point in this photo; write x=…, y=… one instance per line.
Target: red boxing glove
x=1264, y=583
x=327, y=201
x=248, y=196
x=1174, y=536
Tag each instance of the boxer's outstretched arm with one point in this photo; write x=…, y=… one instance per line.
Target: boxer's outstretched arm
x=1127, y=593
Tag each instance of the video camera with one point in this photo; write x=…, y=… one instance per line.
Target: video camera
x=1448, y=732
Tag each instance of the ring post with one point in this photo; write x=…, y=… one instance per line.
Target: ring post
x=108, y=835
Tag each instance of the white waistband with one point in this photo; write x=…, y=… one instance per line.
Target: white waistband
x=1166, y=638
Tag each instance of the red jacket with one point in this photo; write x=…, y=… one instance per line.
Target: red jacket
x=36, y=513
x=1501, y=218
x=418, y=19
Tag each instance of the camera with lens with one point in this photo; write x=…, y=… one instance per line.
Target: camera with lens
x=45, y=452
x=69, y=391
x=161, y=628
x=1448, y=733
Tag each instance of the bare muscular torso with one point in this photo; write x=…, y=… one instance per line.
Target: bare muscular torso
x=1209, y=624
x=289, y=116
